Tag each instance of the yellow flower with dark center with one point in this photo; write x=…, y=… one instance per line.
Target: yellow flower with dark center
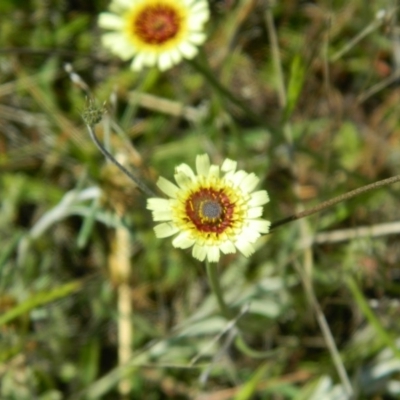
x=210, y=211
x=155, y=32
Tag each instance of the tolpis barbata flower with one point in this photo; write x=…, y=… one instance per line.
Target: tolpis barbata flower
x=154, y=32
x=215, y=210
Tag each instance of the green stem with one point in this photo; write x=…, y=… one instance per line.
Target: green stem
x=336, y=200
x=216, y=288
x=91, y=116
x=240, y=344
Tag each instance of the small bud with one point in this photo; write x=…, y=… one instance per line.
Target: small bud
x=92, y=114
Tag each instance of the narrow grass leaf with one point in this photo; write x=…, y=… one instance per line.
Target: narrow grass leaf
x=250, y=387
x=40, y=299
x=295, y=85
x=6, y=252
x=370, y=316
x=89, y=361
x=87, y=225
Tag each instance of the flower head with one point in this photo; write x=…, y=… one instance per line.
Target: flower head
x=154, y=32
x=211, y=212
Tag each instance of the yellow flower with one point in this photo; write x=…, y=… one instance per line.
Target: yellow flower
x=211, y=212
x=154, y=32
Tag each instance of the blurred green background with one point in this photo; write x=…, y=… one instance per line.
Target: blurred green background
x=93, y=306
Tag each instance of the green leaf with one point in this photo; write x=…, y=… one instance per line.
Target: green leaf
x=371, y=317
x=296, y=81
x=250, y=387
x=89, y=361
x=88, y=223
x=7, y=250
x=40, y=299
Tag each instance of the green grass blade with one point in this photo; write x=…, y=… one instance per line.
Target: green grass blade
x=371, y=317
x=40, y=299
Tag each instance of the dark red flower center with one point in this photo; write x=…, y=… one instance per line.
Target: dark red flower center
x=157, y=24
x=210, y=210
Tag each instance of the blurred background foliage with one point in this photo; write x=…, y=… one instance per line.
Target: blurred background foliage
x=80, y=265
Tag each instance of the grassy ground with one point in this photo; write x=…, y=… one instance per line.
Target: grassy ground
x=93, y=306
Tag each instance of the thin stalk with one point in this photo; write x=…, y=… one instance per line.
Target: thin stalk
x=125, y=310
x=330, y=342
x=336, y=200
x=216, y=288
x=240, y=344
x=125, y=335
x=140, y=184
x=380, y=18
x=120, y=270
x=326, y=332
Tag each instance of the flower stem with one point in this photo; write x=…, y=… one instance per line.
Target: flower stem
x=216, y=288
x=240, y=344
x=91, y=116
x=336, y=200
